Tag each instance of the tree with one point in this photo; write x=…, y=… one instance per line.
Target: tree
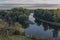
x=19, y=27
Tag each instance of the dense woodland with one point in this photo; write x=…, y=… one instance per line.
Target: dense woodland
x=52, y=15
x=12, y=21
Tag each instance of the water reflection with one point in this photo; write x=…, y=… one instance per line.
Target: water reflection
x=38, y=22
x=47, y=26
x=25, y=25
x=40, y=28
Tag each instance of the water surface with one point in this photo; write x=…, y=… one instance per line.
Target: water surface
x=42, y=29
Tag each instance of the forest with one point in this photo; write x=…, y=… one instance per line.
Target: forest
x=52, y=15
x=11, y=23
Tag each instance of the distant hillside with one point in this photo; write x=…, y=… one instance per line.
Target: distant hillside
x=30, y=6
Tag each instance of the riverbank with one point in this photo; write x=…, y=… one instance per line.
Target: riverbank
x=19, y=37
x=52, y=23
x=14, y=37
x=40, y=38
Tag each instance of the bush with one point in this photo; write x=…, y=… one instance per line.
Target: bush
x=19, y=28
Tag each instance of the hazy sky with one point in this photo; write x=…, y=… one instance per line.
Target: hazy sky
x=31, y=1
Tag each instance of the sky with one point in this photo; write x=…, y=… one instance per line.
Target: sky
x=30, y=1
x=41, y=3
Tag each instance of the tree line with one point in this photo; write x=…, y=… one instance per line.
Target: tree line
x=13, y=18
x=52, y=15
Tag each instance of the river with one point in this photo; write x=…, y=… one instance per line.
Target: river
x=42, y=29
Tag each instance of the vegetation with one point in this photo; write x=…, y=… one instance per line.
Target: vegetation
x=48, y=14
x=14, y=20
x=11, y=23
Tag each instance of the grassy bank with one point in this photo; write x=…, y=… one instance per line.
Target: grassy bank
x=19, y=37
x=14, y=38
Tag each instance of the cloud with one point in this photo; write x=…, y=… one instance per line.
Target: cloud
x=31, y=1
